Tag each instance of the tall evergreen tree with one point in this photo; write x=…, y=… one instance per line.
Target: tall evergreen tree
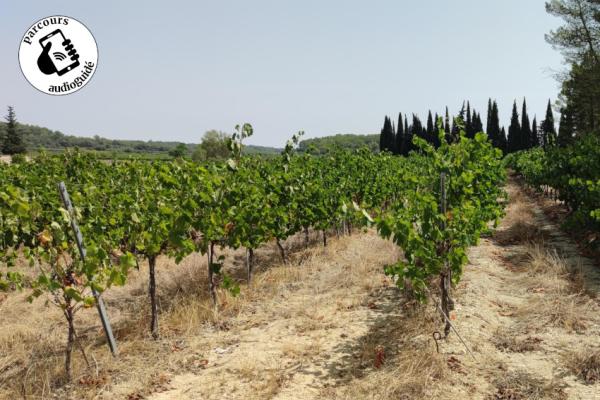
x=399, y=135
x=526, y=134
x=469, y=122
x=503, y=141
x=494, y=132
x=488, y=125
x=566, y=128
x=13, y=139
x=514, y=131
x=417, y=126
x=447, y=122
x=386, y=138
x=455, y=126
x=548, y=129
x=534, y=133
x=407, y=143
x=436, y=132
x=477, y=124
x=430, y=130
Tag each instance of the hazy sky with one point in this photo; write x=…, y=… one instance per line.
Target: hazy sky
x=170, y=70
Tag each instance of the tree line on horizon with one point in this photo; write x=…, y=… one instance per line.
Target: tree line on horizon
x=522, y=134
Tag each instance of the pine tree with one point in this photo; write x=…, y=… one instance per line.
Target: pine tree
x=548, y=128
x=566, y=128
x=514, y=131
x=13, y=139
x=526, y=134
x=399, y=135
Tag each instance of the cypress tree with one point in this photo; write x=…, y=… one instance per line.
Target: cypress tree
x=534, y=133
x=417, y=127
x=436, y=132
x=477, y=124
x=514, y=131
x=526, y=134
x=494, y=130
x=407, y=142
x=548, y=129
x=386, y=139
x=488, y=125
x=382, y=143
x=469, y=123
x=430, y=130
x=393, y=148
x=457, y=122
x=13, y=139
x=566, y=128
x=447, y=122
x=503, y=141
x=399, y=135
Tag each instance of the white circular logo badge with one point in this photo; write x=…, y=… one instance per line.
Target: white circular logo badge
x=58, y=55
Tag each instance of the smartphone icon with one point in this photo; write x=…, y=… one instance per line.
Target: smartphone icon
x=62, y=52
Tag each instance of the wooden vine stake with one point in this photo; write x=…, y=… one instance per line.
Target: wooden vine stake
x=446, y=274
x=64, y=195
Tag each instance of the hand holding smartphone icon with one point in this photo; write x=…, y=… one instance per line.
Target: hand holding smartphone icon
x=58, y=55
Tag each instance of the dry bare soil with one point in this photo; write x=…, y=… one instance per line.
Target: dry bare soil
x=331, y=325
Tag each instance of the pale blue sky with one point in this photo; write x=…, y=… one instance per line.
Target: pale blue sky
x=170, y=70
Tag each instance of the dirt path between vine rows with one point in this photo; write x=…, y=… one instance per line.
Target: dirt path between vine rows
x=527, y=307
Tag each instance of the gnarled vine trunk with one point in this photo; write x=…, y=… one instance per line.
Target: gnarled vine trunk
x=282, y=252
x=447, y=302
x=212, y=287
x=70, y=339
x=249, y=263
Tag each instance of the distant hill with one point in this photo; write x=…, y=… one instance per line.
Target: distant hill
x=345, y=141
x=39, y=138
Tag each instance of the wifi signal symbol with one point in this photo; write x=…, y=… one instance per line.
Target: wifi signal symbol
x=59, y=56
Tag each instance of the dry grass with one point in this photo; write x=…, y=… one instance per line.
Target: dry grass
x=507, y=339
x=548, y=272
x=411, y=368
x=413, y=375
x=562, y=301
x=520, y=232
x=32, y=337
x=520, y=385
x=570, y=312
x=585, y=364
x=519, y=226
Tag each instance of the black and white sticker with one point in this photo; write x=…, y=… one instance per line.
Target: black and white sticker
x=58, y=55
